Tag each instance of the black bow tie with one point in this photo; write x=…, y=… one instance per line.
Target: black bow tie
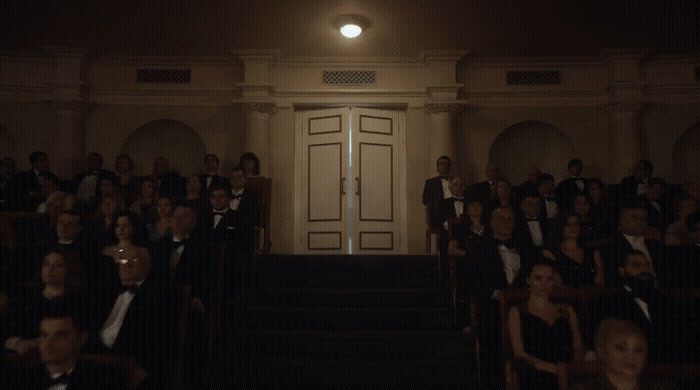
x=132, y=288
x=62, y=379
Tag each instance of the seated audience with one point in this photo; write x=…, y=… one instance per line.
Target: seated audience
x=167, y=183
x=138, y=320
x=622, y=349
x=658, y=215
x=145, y=205
x=210, y=175
x=129, y=236
x=530, y=185
x=594, y=228
x=666, y=323
x=62, y=335
x=60, y=280
x=250, y=164
x=486, y=189
x=577, y=265
x=23, y=189
x=126, y=182
x=636, y=184
x=574, y=185
x=531, y=223
x=503, y=196
x=99, y=228
x=194, y=195
x=550, y=205
x=601, y=207
x=677, y=232
x=467, y=235
x=632, y=230
x=86, y=185
x=161, y=228
x=543, y=333
x=687, y=257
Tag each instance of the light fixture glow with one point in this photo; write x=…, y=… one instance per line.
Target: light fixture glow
x=351, y=30
x=351, y=25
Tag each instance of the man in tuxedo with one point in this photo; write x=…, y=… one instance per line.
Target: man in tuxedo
x=438, y=186
x=686, y=258
x=484, y=190
x=210, y=175
x=550, y=205
x=656, y=204
x=529, y=185
x=61, y=337
x=569, y=188
x=86, y=185
x=636, y=184
x=139, y=320
x=531, y=225
x=666, y=322
x=23, y=190
x=446, y=209
x=632, y=229
x=168, y=183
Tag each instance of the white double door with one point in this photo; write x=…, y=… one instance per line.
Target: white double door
x=351, y=187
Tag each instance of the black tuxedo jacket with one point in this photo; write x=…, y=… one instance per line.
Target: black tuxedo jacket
x=195, y=267
x=567, y=190
x=614, y=253
x=149, y=331
x=101, y=174
x=523, y=237
x=433, y=190
x=17, y=191
x=85, y=376
x=488, y=274
x=666, y=331
x=216, y=180
x=628, y=189
x=444, y=210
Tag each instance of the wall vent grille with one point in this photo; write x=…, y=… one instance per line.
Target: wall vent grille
x=533, y=77
x=171, y=76
x=349, y=77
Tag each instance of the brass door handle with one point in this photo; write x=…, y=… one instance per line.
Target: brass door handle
x=358, y=186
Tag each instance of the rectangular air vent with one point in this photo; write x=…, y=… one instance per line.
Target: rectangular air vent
x=349, y=77
x=172, y=76
x=533, y=77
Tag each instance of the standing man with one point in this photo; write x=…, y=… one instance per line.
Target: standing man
x=569, y=188
x=210, y=175
x=438, y=186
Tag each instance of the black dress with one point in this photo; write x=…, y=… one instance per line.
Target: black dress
x=553, y=344
x=573, y=273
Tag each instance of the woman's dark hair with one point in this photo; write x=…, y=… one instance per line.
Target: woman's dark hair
x=543, y=261
x=249, y=156
x=140, y=233
x=559, y=224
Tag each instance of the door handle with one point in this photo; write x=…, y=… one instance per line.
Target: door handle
x=357, y=179
x=342, y=186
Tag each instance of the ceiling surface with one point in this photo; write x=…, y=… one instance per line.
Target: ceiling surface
x=305, y=27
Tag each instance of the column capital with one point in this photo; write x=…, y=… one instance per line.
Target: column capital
x=443, y=108
x=261, y=107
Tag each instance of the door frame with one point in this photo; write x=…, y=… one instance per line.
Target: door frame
x=401, y=244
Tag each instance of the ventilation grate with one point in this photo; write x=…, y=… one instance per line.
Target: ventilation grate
x=173, y=76
x=349, y=77
x=533, y=77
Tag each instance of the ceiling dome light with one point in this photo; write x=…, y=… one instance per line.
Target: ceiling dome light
x=351, y=25
x=351, y=30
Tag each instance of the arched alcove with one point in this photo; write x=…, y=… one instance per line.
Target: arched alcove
x=686, y=155
x=165, y=137
x=531, y=143
x=8, y=144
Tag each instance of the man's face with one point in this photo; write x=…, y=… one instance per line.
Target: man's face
x=219, y=199
x=576, y=170
x=633, y=222
x=531, y=206
x=237, y=180
x=210, y=164
x=624, y=355
x=60, y=340
x=132, y=267
x=68, y=227
x=503, y=223
x=547, y=188
x=443, y=167
x=637, y=266
x=183, y=221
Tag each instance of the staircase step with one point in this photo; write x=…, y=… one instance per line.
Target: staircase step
x=256, y=343
x=344, y=318
x=350, y=297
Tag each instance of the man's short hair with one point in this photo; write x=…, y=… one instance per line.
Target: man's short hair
x=68, y=309
x=444, y=158
x=574, y=162
x=222, y=186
